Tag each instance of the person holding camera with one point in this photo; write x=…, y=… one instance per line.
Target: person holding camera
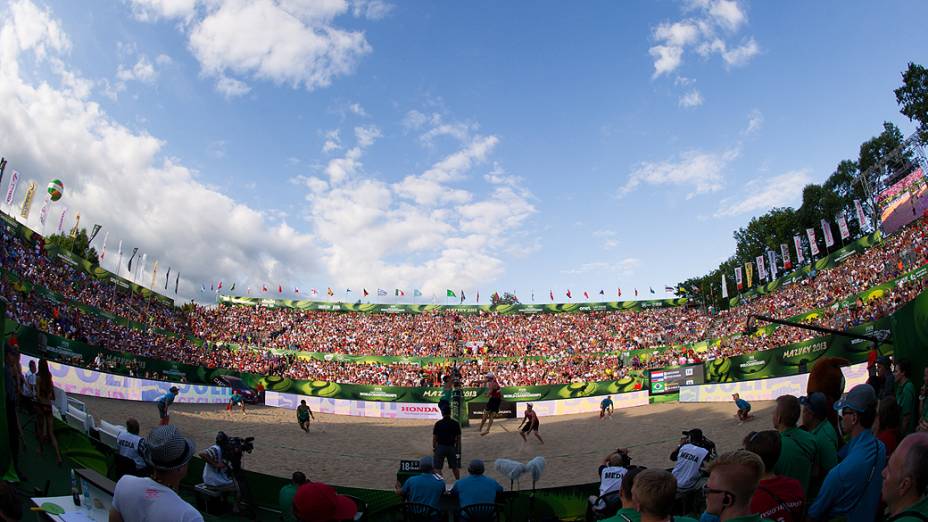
x=611, y=472
x=694, y=450
x=218, y=473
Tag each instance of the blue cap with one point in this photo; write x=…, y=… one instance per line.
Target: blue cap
x=858, y=399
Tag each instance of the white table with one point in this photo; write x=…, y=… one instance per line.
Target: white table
x=72, y=513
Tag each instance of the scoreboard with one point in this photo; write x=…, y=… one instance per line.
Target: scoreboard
x=669, y=380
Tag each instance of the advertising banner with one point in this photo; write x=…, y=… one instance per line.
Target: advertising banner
x=766, y=389
x=800, y=258
x=507, y=410
x=669, y=380
x=323, y=306
x=813, y=246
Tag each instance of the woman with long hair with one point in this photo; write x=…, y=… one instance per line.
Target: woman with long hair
x=45, y=395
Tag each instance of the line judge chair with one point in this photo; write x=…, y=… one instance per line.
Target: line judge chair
x=414, y=512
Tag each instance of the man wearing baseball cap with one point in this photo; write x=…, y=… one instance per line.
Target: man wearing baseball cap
x=318, y=502
x=138, y=499
x=852, y=488
x=815, y=421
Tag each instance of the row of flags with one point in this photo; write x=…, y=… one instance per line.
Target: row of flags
x=766, y=265
x=25, y=210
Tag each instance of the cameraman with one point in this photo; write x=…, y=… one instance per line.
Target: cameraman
x=694, y=450
x=219, y=473
x=611, y=473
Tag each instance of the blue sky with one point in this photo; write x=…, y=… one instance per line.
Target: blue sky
x=490, y=146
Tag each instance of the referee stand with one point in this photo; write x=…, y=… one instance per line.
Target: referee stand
x=459, y=413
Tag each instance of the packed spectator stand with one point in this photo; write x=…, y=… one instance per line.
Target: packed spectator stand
x=574, y=346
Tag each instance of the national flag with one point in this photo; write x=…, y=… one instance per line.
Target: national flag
x=568, y=294
x=347, y=291
x=651, y=289
x=202, y=288
x=450, y=293
x=800, y=255
x=11, y=188
x=264, y=288
x=784, y=253
x=280, y=289
x=463, y=297
x=365, y=292
x=829, y=239
x=724, y=287
x=96, y=230
x=417, y=293
x=861, y=217
x=27, y=201
x=586, y=295
x=636, y=292
x=843, y=228
x=381, y=292
x=329, y=292
x=231, y=288
x=167, y=277
x=494, y=297
x=176, y=282
x=669, y=289
x=399, y=293
x=2, y=168
x=551, y=294
x=533, y=296
x=134, y=251
x=313, y=292
x=813, y=246
x=620, y=292
x=478, y=296
x=220, y=285
x=602, y=292
x=296, y=290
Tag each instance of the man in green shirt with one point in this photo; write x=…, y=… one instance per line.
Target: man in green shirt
x=905, y=480
x=285, y=498
x=814, y=420
x=627, y=513
x=733, y=478
x=905, y=396
x=797, y=453
x=653, y=494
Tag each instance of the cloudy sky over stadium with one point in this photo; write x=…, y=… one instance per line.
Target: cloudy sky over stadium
x=432, y=145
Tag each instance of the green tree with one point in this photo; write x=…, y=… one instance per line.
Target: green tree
x=765, y=232
x=887, y=157
x=79, y=245
x=912, y=98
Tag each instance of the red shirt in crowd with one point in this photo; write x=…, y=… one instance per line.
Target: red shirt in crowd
x=890, y=439
x=779, y=498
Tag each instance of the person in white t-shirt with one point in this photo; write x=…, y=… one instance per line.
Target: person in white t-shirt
x=143, y=499
x=129, y=445
x=611, y=473
x=29, y=382
x=217, y=474
x=694, y=450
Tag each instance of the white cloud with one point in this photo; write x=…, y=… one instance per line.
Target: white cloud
x=766, y=193
x=414, y=120
x=332, y=141
x=232, y=40
x=366, y=135
x=755, y=122
x=705, y=31
x=357, y=109
x=425, y=231
x=200, y=232
x=691, y=99
x=143, y=71
x=163, y=60
x=702, y=171
x=370, y=9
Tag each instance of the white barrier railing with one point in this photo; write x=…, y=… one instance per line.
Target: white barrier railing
x=766, y=389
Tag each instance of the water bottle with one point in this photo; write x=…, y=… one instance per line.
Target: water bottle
x=75, y=496
x=85, y=489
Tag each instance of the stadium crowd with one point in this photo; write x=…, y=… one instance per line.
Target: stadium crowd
x=520, y=349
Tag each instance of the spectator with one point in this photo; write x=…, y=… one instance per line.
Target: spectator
x=627, y=513
x=446, y=438
x=887, y=380
x=287, y=493
x=906, y=397
x=140, y=499
x=852, y=488
x=888, y=419
x=128, y=446
x=318, y=502
x=815, y=421
x=923, y=400
x=733, y=479
x=798, y=448
x=217, y=473
x=653, y=495
x=29, y=380
x=611, y=473
x=693, y=452
x=44, y=396
x=905, y=480
x=11, y=379
x=777, y=498
x=476, y=488
x=425, y=488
